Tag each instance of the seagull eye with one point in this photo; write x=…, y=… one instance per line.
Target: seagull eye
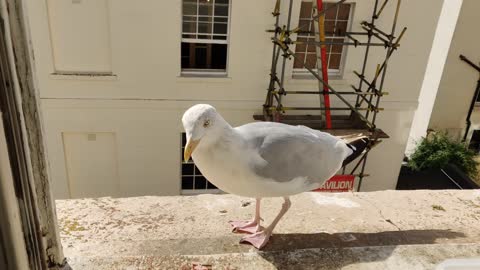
x=206, y=123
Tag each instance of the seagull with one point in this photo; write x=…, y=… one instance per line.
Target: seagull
x=263, y=159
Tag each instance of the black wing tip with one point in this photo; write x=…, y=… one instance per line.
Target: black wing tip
x=358, y=146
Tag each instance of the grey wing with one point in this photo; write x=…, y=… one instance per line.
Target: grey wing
x=300, y=152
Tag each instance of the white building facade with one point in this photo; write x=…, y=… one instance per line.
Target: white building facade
x=115, y=77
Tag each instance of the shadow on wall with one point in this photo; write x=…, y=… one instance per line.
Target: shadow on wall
x=285, y=251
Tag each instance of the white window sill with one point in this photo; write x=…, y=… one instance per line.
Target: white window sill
x=203, y=76
x=84, y=76
x=201, y=191
x=208, y=73
x=309, y=76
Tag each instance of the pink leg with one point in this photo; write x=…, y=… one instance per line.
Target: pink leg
x=252, y=226
x=260, y=239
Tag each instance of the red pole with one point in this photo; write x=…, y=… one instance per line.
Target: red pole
x=323, y=56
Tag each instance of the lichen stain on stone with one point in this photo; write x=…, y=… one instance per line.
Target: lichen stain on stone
x=70, y=226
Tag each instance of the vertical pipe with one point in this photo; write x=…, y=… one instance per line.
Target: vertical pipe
x=323, y=57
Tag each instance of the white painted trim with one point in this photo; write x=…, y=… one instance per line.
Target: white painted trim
x=205, y=41
x=84, y=77
x=203, y=73
x=431, y=81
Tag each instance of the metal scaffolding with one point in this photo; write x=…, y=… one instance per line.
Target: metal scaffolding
x=359, y=116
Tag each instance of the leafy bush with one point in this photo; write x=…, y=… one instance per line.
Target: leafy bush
x=438, y=150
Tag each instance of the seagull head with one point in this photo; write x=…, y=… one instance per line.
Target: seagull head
x=201, y=123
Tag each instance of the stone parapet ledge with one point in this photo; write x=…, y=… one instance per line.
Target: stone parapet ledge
x=374, y=230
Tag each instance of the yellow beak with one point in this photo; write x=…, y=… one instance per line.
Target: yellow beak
x=189, y=148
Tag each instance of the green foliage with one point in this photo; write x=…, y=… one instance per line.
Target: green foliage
x=438, y=150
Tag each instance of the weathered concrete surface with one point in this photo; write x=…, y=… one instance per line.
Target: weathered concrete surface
x=377, y=230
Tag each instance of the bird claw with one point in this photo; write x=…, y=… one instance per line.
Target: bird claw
x=258, y=240
x=245, y=226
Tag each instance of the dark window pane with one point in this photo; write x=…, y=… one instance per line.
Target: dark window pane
x=305, y=9
x=299, y=60
x=221, y=20
x=187, y=169
x=205, y=8
x=189, y=8
x=331, y=13
x=221, y=2
x=190, y=18
x=200, y=182
x=344, y=12
x=204, y=56
x=311, y=48
x=310, y=60
x=189, y=36
x=211, y=186
x=329, y=28
x=341, y=28
x=334, y=61
x=328, y=47
x=189, y=27
x=301, y=47
x=205, y=19
x=187, y=182
x=221, y=10
x=200, y=52
x=305, y=25
x=205, y=28
x=184, y=139
x=220, y=28
x=219, y=56
x=337, y=48
x=185, y=52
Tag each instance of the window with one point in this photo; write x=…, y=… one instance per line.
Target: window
x=193, y=182
x=336, y=24
x=204, y=36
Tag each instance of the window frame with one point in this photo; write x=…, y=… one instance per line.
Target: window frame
x=335, y=74
x=206, y=72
